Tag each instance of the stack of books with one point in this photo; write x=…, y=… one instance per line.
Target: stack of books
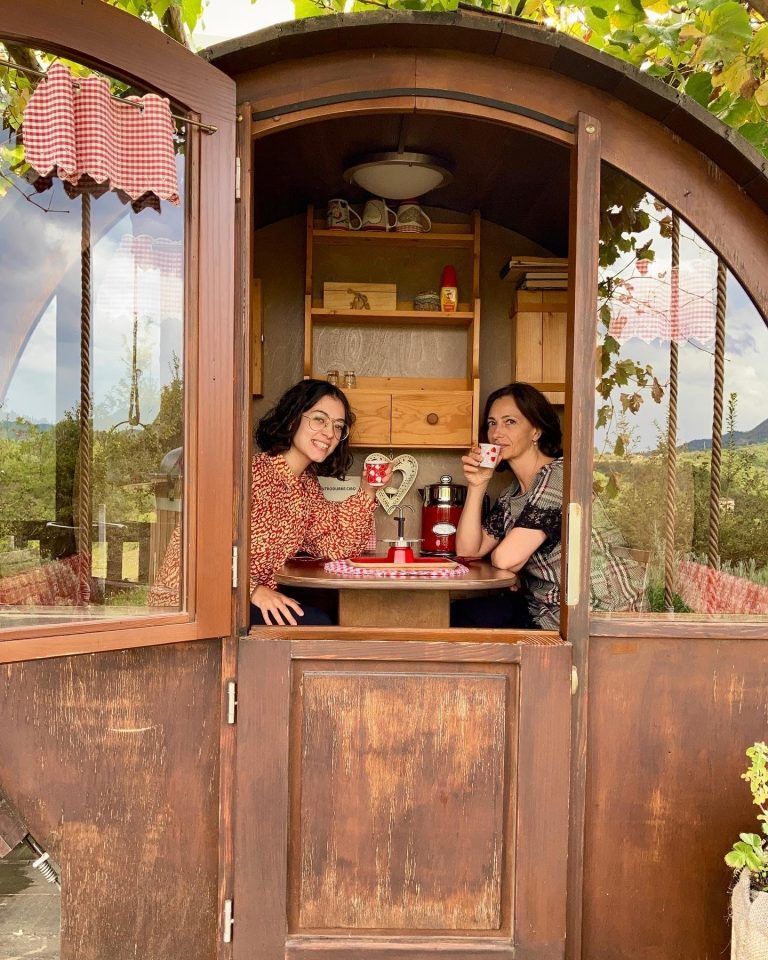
x=537, y=273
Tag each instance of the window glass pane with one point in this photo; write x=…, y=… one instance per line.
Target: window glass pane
x=91, y=393
x=681, y=436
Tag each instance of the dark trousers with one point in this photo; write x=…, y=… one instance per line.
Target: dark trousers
x=313, y=616
x=494, y=611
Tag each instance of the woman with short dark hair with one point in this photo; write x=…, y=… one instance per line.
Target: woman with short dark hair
x=522, y=531
x=305, y=435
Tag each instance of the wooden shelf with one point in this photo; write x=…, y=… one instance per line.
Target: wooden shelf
x=444, y=238
x=434, y=318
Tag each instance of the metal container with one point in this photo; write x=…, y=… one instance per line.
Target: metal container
x=441, y=508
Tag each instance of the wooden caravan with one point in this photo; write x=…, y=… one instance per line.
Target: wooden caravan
x=393, y=787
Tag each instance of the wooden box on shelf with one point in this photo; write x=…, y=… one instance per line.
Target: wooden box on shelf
x=359, y=296
x=539, y=331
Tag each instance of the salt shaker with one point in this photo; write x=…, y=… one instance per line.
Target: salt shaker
x=350, y=380
x=333, y=377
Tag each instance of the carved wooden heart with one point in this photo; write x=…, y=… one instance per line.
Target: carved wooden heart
x=391, y=497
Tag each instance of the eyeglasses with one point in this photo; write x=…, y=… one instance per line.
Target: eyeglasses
x=319, y=421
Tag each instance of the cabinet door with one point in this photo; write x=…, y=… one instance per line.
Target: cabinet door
x=432, y=419
x=400, y=800
x=373, y=412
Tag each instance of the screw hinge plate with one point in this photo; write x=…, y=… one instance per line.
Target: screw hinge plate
x=235, y=556
x=573, y=567
x=231, y=701
x=237, y=178
x=228, y=922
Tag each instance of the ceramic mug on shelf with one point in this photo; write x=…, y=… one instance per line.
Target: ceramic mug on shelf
x=412, y=219
x=378, y=216
x=340, y=216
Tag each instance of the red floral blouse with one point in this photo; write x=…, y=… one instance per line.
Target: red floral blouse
x=288, y=514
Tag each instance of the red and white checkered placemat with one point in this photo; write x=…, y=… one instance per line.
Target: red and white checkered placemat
x=75, y=127
x=343, y=566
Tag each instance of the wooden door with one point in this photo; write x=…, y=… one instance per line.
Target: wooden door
x=400, y=799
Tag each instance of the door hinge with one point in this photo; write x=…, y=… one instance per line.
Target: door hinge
x=231, y=701
x=237, y=178
x=228, y=922
x=235, y=554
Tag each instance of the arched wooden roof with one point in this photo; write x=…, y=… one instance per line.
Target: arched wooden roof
x=477, y=32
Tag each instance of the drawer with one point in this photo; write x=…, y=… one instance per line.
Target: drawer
x=373, y=413
x=432, y=419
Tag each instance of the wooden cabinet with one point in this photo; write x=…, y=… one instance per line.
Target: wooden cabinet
x=397, y=410
x=539, y=330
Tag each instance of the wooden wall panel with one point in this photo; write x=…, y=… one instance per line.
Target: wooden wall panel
x=668, y=725
x=112, y=760
x=392, y=765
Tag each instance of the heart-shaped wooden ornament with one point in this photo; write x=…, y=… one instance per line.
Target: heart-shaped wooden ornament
x=391, y=497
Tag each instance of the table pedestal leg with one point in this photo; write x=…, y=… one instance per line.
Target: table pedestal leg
x=394, y=608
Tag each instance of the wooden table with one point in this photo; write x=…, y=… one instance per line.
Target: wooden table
x=394, y=601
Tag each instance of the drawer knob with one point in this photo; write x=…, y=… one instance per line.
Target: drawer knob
x=432, y=418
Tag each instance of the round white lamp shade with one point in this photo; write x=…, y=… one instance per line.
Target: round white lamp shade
x=398, y=176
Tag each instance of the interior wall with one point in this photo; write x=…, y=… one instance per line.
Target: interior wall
x=279, y=260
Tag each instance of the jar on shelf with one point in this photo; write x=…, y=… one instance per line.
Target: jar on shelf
x=350, y=380
x=333, y=377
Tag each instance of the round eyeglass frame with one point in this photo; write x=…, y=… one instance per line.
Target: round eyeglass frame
x=334, y=423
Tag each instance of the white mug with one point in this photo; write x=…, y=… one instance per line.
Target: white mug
x=490, y=454
x=412, y=219
x=376, y=215
x=339, y=216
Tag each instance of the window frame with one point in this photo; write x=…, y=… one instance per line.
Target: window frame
x=121, y=45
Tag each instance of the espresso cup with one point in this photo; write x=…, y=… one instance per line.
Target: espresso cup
x=340, y=216
x=490, y=453
x=375, y=473
x=378, y=216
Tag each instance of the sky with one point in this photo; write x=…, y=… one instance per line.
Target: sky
x=224, y=19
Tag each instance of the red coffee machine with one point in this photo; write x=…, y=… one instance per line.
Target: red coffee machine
x=440, y=512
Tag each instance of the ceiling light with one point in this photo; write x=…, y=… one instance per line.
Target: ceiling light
x=399, y=176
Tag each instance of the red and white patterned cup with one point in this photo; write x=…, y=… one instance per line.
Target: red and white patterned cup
x=490, y=453
x=375, y=473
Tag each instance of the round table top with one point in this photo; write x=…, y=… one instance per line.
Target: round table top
x=481, y=575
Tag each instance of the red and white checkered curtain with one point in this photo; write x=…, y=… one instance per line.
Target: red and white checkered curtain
x=666, y=304
x=75, y=129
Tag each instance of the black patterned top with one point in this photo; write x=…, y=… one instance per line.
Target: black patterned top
x=540, y=507
x=617, y=580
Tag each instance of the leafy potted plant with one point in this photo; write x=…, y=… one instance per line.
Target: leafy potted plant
x=749, y=856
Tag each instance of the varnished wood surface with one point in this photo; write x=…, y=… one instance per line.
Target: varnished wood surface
x=112, y=761
x=481, y=575
x=417, y=756
x=418, y=790
x=404, y=608
x=579, y=453
x=669, y=721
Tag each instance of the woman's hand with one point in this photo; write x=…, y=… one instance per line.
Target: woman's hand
x=276, y=605
x=474, y=474
x=370, y=491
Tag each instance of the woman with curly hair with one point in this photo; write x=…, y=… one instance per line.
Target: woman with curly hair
x=304, y=436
